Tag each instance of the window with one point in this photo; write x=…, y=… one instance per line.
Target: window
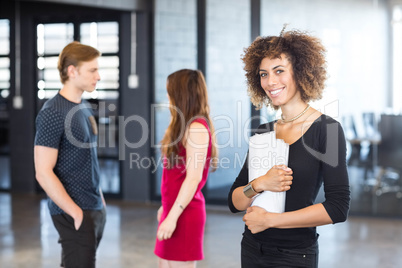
x=104, y=36
x=51, y=38
x=397, y=58
x=4, y=62
x=4, y=104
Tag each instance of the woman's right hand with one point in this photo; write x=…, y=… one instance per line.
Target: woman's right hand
x=159, y=214
x=277, y=179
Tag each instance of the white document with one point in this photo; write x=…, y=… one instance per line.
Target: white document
x=265, y=151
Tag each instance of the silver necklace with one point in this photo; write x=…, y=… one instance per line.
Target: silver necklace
x=296, y=117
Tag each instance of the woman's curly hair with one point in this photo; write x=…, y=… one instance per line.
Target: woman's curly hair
x=304, y=52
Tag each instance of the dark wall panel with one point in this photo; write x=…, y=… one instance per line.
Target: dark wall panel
x=135, y=108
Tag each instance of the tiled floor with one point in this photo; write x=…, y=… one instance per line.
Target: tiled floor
x=28, y=238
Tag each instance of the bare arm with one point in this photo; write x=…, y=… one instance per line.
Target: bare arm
x=277, y=179
x=240, y=201
x=196, y=146
x=257, y=219
x=45, y=160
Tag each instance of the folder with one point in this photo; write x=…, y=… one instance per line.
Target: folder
x=266, y=151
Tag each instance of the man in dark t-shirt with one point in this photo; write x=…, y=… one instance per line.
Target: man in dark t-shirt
x=66, y=161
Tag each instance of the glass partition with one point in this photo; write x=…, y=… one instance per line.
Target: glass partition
x=358, y=86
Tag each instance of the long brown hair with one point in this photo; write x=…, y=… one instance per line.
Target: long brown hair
x=188, y=96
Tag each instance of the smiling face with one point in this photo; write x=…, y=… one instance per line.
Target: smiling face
x=277, y=80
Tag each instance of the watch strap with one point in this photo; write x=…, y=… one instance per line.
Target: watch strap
x=249, y=191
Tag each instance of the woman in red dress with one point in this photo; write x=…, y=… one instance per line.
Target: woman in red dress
x=187, y=147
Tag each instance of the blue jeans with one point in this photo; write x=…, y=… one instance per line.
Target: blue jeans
x=258, y=255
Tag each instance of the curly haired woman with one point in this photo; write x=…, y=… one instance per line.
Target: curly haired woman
x=287, y=72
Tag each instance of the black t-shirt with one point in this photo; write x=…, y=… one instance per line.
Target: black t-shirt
x=318, y=157
x=70, y=128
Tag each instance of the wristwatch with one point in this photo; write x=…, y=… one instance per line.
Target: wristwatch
x=249, y=191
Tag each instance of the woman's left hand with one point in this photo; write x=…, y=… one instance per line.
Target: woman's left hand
x=166, y=229
x=256, y=219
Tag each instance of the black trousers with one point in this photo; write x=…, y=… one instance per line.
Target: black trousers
x=79, y=246
x=258, y=255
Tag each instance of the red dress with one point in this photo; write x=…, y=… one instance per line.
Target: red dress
x=186, y=243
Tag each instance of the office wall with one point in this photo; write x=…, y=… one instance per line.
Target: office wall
x=175, y=48
x=228, y=33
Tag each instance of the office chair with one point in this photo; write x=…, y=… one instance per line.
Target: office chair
x=362, y=135
x=353, y=150
x=390, y=155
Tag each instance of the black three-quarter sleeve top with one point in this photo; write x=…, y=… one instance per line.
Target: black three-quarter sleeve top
x=318, y=157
